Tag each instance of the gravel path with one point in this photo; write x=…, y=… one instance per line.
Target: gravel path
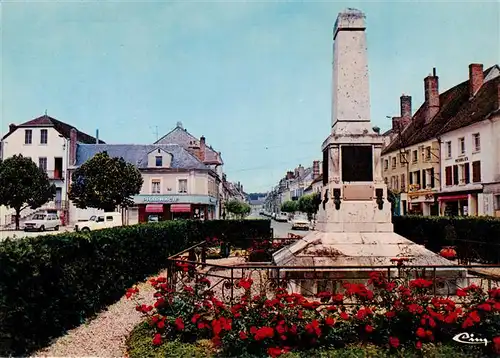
x=105, y=335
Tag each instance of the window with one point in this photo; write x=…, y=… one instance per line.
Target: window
x=477, y=142
x=448, y=149
x=155, y=186
x=403, y=182
x=109, y=218
x=159, y=161
x=183, y=186
x=42, y=163
x=476, y=171
x=27, y=136
x=497, y=199
x=424, y=179
x=461, y=145
x=432, y=179
x=402, y=159
x=386, y=164
x=43, y=136
x=449, y=177
x=464, y=173
x=394, y=162
x=428, y=153
x=100, y=219
x=415, y=156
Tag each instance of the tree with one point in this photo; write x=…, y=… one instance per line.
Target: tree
x=238, y=208
x=23, y=185
x=290, y=206
x=105, y=183
x=309, y=204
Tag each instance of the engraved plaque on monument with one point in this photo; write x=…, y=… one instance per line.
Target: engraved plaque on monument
x=357, y=163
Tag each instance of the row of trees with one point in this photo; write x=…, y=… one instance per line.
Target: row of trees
x=308, y=204
x=102, y=182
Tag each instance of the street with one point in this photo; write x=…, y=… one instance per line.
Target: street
x=20, y=234
x=281, y=229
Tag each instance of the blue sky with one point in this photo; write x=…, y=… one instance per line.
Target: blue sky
x=253, y=77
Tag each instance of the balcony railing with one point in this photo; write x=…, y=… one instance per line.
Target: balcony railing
x=55, y=174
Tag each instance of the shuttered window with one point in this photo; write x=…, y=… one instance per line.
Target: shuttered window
x=466, y=173
x=433, y=180
x=424, y=179
x=476, y=171
x=455, y=174
x=448, y=176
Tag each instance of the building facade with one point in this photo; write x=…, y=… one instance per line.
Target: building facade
x=177, y=185
x=436, y=159
x=46, y=141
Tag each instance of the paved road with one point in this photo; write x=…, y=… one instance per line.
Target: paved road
x=20, y=234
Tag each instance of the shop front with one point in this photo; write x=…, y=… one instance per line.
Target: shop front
x=458, y=204
x=422, y=203
x=154, y=208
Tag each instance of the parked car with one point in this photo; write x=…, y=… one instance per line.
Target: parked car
x=300, y=223
x=282, y=217
x=102, y=221
x=42, y=222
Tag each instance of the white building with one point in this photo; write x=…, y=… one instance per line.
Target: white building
x=46, y=141
x=470, y=151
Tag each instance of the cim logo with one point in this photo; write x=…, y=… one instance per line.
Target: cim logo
x=467, y=338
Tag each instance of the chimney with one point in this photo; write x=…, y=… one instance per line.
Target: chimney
x=203, y=148
x=431, y=89
x=12, y=127
x=72, y=146
x=315, y=169
x=301, y=170
x=476, y=78
x=97, y=136
x=405, y=103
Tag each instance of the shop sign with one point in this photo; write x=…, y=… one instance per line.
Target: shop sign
x=174, y=199
x=161, y=199
x=463, y=159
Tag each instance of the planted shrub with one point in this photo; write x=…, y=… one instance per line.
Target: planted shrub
x=52, y=283
x=477, y=238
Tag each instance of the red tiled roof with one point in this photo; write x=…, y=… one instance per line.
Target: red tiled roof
x=456, y=106
x=63, y=128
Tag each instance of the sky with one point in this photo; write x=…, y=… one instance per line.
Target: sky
x=253, y=77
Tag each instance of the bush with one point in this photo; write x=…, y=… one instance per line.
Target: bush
x=52, y=283
x=475, y=237
x=392, y=317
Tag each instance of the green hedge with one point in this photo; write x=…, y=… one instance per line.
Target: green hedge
x=52, y=283
x=474, y=237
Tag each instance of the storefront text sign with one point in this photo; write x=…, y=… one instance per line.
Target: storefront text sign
x=161, y=199
x=460, y=160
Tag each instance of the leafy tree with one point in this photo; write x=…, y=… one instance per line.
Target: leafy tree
x=238, y=208
x=105, y=183
x=23, y=185
x=290, y=206
x=309, y=204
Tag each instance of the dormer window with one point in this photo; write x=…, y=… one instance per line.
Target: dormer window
x=159, y=161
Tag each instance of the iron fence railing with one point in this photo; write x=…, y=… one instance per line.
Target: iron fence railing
x=191, y=264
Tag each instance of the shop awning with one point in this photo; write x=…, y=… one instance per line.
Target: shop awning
x=453, y=197
x=154, y=208
x=180, y=208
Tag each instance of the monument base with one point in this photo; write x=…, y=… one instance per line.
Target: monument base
x=322, y=252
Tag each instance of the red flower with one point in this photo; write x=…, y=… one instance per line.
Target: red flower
x=344, y=316
x=418, y=345
x=484, y=307
x=394, y=342
x=368, y=329
x=275, y=352
x=313, y=327
x=421, y=332
x=496, y=344
x=131, y=292
x=157, y=339
x=263, y=333
x=245, y=283
x=161, y=324
x=329, y=321
x=179, y=324
x=390, y=314
x=414, y=308
x=461, y=292
x=243, y=335
x=195, y=318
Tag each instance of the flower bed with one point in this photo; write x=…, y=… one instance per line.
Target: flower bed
x=393, y=315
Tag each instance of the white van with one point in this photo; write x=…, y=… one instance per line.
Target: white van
x=101, y=221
